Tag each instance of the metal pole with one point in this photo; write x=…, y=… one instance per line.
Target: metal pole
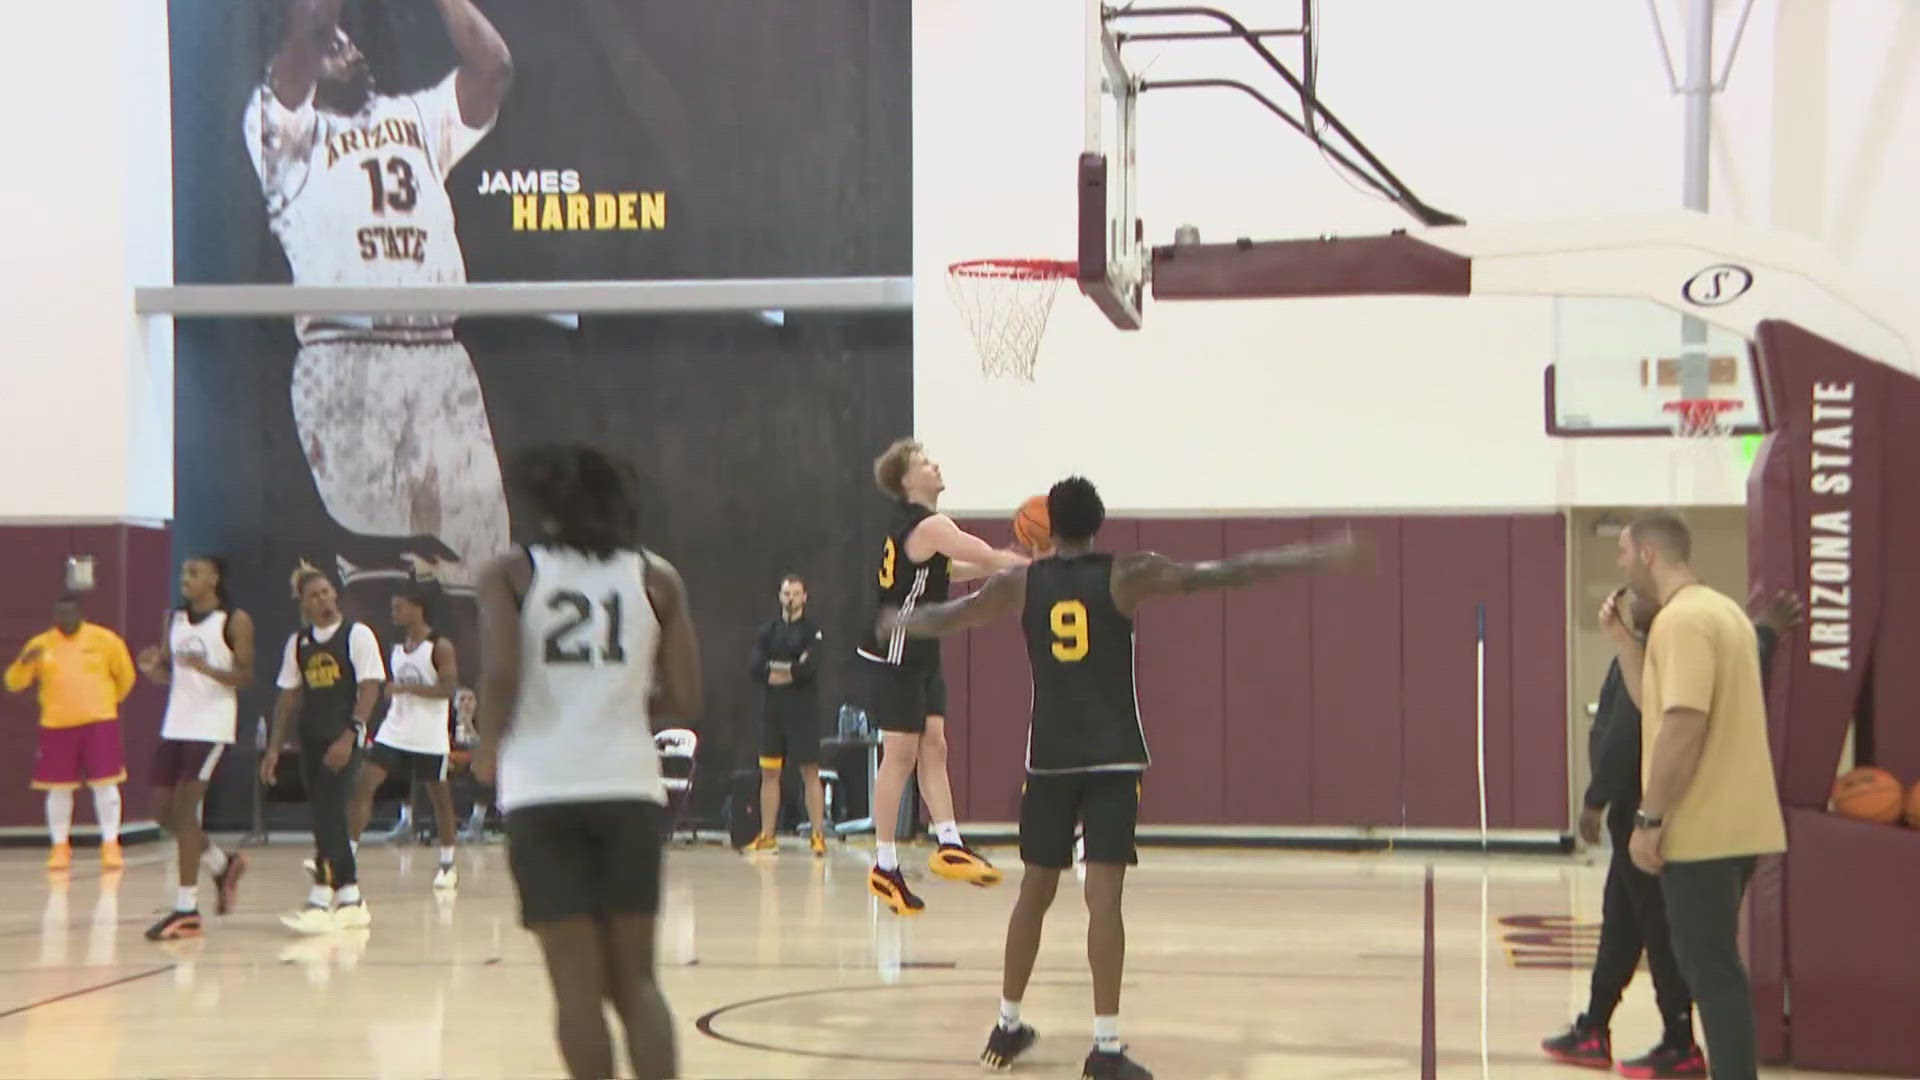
x=1697, y=93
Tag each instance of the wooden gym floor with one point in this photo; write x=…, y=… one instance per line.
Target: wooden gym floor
x=1241, y=964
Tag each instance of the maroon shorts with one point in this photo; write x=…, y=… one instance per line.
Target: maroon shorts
x=70, y=756
x=177, y=761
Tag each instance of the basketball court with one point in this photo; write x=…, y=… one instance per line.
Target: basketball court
x=1405, y=898
x=1240, y=965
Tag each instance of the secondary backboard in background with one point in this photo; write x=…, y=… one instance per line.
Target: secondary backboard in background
x=1112, y=255
x=1617, y=366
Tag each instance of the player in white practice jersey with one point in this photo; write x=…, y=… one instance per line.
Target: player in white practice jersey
x=205, y=657
x=389, y=411
x=586, y=638
x=415, y=740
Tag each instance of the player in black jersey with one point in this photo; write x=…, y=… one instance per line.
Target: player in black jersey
x=1086, y=750
x=898, y=682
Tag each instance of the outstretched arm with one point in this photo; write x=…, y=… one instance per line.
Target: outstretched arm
x=1003, y=592
x=486, y=67
x=1149, y=574
x=678, y=692
x=972, y=557
x=309, y=34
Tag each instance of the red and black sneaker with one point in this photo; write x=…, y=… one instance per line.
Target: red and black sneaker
x=1668, y=1061
x=176, y=925
x=226, y=883
x=1584, y=1044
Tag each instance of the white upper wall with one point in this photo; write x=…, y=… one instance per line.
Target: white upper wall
x=87, y=419
x=1505, y=110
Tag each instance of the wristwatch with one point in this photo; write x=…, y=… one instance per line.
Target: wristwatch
x=1644, y=820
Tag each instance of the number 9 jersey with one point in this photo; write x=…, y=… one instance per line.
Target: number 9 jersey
x=1085, y=714
x=902, y=584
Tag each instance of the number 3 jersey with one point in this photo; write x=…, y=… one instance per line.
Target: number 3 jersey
x=580, y=730
x=904, y=585
x=1085, y=715
x=362, y=200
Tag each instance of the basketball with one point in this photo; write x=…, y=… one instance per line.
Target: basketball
x=1868, y=794
x=1913, y=807
x=1031, y=526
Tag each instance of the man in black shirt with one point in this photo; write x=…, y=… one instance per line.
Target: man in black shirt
x=1086, y=750
x=786, y=655
x=1633, y=915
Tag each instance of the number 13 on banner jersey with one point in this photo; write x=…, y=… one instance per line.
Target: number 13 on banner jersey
x=1069, y=618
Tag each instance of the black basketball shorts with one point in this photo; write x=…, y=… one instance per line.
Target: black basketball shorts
x=591, y=859
x=789, y=737
x=1053, y=805
x=900, y=699
x=415, y=766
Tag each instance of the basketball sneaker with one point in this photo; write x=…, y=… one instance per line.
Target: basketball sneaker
x=354, y=916
x=957, y=862
x=176, y=925
x=1102, y=1065
x=891, y=887
x=1585, y=1044
x=311, y=920
x=226, y=883
x=818, y=844
x=111, y=857
x=763, y=842
x=1004, y=1044
x=1668, y=1061
x=446, y=877
x=60, y=857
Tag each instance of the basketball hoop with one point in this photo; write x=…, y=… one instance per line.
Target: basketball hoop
x=1701, y=418
x=1005, y=303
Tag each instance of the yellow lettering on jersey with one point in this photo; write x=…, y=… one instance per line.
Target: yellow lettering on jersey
x=550, y=219
x=526, y=212
x=322, y=671
x=579, y=207
x=653, y=209
x=605, y=210
x=1069, y=619
x=627, y=199
x=886, y=565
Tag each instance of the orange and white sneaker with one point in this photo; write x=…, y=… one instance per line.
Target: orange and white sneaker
x=957, y=862
x=763, y=842
x=891, y=887
x=111, y=857
x=818, y=844
x=60, y=857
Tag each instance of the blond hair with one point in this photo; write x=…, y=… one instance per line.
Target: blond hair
x=890, y=468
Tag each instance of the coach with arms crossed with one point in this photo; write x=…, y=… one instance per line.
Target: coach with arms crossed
x=1710, y=805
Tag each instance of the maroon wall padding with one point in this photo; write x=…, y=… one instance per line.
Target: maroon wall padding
x=1896, y=671
x=1178, y=683
x=1855, y=944
x=1267, y=648
x=1395, y=265
x=1357, y=632
x=1538, y=670
x=1288, y=703
x=1843, y=614
x=1449, y=567
x=133, y=583
x=954, y=666
x=1763, y=942
x=1772, y=567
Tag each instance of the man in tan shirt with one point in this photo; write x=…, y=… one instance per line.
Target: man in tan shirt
x=1710, y=806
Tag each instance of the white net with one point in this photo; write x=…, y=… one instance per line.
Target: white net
x=1005, y=303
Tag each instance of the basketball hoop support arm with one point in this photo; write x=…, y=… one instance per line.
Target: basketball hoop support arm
x=1376, y=175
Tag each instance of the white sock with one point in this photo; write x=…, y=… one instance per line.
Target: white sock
x=886, y=857
x=354, y=845
x=947, y=831
x=185, y=899
x=1106, y=1034
x=214, y=859
x=348, y=894
x=320, y=896
x=446, y=855
x=1009, y=1014
x=60, y=816
x=106, y=808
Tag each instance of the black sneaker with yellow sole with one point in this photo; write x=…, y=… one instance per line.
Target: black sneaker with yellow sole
x=891, y=887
